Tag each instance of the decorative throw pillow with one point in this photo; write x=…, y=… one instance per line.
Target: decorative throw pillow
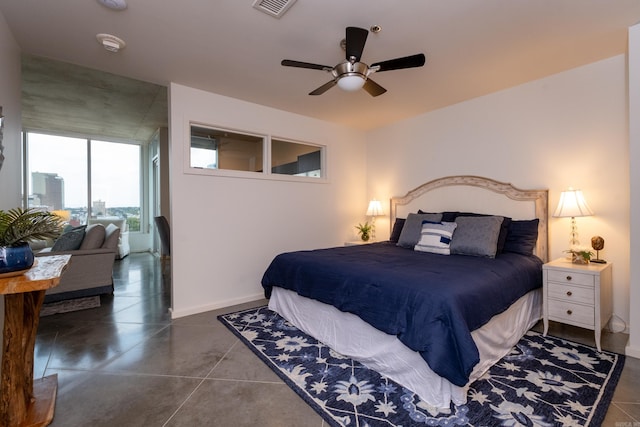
x=397, y=229
x=412, y=227
x=112, y=235
x=94, y=237
x=70, y=240
x=522, y=237
x=476, y=236
x=504, y=229
x=436, y=237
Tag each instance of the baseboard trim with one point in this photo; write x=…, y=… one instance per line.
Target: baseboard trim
x=175, y=314
x=632, y=351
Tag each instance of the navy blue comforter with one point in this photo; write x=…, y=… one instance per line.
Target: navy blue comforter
x=430, y=302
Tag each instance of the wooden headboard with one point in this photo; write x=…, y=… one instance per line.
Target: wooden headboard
x=539, y=199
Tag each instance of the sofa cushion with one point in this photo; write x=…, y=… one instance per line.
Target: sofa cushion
x=94, y=237
x=69, y=240
x=112, y=234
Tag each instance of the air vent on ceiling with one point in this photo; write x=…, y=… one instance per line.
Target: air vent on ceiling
x=275, y=8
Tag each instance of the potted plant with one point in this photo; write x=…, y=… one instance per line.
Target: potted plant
x=364, y=230
x=18, y=227
x=580, y=255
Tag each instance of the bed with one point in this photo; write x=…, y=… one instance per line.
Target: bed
x=408, y=307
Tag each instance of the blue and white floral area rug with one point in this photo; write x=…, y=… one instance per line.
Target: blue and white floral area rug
x=544, y=381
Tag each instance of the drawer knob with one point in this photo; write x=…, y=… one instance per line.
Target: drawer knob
x=569, y=277
x=569, y=312
x=569, y=293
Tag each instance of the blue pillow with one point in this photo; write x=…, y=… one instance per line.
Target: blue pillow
x=522, y=237
x=69, y=240
x=397, y=229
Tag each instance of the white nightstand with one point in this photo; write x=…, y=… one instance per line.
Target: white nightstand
x=577, y=294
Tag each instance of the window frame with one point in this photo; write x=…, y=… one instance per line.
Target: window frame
x=88, y=140
x=266, y=173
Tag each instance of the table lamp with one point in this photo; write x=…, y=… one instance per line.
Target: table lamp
x=572, y=204
x=374, y=210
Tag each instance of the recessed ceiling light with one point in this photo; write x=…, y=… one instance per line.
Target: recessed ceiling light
x=111, y=43
x=114, y=4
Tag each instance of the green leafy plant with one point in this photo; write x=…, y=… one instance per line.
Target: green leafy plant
x=364, y=230
x=583, y=254
x=24, y=225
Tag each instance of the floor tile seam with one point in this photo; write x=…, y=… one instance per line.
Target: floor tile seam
x=217, y=379
x=131, y=374
x=622, y=402
x=117, y=355
x=52, y=348
x=623, y=411
x=184, y=402
x=246, y=381
x=224, y=356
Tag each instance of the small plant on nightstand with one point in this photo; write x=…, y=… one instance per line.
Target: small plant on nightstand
x=580, y=255
x=364, y=230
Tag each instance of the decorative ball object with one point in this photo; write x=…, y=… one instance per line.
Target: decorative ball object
x=597, y=243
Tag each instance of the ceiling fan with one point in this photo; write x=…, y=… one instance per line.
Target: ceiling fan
x=351, y=74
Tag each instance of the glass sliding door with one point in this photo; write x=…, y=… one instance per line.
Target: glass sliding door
x=57, y=175
x=115, y=182
x=80, y=178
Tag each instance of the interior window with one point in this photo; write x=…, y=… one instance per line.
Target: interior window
x=223, y=149
x=296, y=158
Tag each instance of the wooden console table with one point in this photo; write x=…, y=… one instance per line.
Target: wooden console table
x=23, y=402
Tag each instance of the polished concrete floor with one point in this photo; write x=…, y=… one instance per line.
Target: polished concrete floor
x=127, y=363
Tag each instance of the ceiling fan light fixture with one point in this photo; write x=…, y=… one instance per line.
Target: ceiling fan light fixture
x=351, y=76
x=351, y=83
x=114, y=4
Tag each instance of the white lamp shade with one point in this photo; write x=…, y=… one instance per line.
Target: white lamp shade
x=351, y=83
x=572, y=204
x=375, y=208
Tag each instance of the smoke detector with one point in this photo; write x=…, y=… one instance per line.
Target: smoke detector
x=114, y=4
x=111, y=43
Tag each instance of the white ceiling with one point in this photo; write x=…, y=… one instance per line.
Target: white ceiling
x=473, y=47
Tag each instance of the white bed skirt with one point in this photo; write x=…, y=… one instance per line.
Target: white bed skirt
x=349, y=335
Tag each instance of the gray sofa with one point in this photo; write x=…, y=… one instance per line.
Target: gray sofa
x=90, y=271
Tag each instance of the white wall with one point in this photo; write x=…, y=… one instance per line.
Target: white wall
x=568, y=129
x=10, y=85
x=633, y=349
x=11, y=109
x=225, y=231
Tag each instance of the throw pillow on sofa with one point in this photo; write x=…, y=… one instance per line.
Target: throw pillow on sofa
x=70, y=240
x=94, y=237
x=112, y=234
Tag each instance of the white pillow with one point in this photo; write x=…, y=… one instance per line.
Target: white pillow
x=436, y=237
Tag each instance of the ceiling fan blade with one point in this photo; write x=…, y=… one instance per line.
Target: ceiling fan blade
x=322, y=89
x=373, y=88
x=299, y=64
x=400, y=63
x=356, y=38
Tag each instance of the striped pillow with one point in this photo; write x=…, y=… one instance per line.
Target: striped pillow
x=436, y=237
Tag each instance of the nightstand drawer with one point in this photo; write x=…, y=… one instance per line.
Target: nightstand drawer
x=571, y=293
x=571, y=313
x=572, y=277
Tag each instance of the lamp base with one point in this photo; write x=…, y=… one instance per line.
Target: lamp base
x=599, y=261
